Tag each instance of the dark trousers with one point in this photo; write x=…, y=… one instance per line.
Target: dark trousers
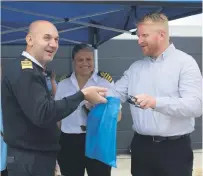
x=166, y=158
x=4, y=173
x=72, y=160
x=26, y=163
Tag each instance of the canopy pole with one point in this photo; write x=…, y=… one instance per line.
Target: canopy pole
x=94, y=40
x=96, y=64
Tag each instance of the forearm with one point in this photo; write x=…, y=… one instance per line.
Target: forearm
x=119, y=116
x=54, y=86
x=53, y=111
x=120, y=88
x=59, y=124
x=179, y=107
x=34, y=102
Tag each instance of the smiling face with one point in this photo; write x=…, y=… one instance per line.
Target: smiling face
x=149, y=39
x=153, y=34
x=42, y=41
x=84, y=62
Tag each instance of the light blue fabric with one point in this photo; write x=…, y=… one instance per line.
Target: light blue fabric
x=175, y=81
x=101, y=132
x=3, y=153
x=48, y=80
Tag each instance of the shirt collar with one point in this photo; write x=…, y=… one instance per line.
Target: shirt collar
x=93, y=77
x=27, y=55
x=168, y=50
x=164, y=55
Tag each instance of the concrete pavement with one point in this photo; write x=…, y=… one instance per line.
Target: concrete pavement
x=123, y=165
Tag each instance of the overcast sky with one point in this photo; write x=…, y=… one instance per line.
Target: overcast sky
x=195, y=23
x=195, y=20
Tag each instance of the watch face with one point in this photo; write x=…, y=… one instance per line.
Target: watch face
x=83, y=127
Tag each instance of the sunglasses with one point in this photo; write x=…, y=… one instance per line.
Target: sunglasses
x=132, y=100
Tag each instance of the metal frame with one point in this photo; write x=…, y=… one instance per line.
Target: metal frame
x=11, y=41
x=68, y=20
x=86, y=24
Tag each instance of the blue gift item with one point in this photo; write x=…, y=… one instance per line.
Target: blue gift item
x=101, y=132
x=3, y=147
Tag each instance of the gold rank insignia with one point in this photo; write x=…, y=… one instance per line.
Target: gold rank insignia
x=63, y=77
x=106, y=76
x=26, y=64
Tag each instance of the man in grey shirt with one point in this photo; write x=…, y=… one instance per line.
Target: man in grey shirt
x=167, y=90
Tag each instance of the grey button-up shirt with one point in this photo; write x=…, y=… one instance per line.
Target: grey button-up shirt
x=174, y=79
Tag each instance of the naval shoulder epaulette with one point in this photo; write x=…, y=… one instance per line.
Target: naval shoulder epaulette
x=64, y=77
x=105, y=75
x=26, y=64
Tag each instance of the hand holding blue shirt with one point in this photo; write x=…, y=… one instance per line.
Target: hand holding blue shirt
x=101, y=132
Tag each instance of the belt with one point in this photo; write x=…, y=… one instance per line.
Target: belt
x=161, y=138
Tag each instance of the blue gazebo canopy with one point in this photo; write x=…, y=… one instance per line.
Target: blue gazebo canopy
x=89, y=22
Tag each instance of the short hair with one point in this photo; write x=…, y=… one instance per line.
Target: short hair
x=154, y=17
x=79, y=47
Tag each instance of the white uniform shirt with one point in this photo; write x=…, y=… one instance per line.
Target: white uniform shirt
x=174, y=79
x=69, y=86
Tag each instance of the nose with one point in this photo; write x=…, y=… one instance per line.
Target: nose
x=85, y=62
x=53, y=43
x=140, y=40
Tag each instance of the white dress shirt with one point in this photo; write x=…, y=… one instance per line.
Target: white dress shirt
x=175, y=80
x=69, y=86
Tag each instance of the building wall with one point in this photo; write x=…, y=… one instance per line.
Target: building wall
x=115, y=56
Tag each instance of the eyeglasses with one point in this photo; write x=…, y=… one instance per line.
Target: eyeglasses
x=132, y=100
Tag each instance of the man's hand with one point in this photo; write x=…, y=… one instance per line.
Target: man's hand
x=53, y=75
x=95, y=95
x=146, y=101
x=88, y=105
x=57, y=170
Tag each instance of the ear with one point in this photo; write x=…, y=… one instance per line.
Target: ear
x=163, y=34
x=29, y=40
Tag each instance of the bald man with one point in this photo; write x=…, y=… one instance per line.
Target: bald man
x=30, y=115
